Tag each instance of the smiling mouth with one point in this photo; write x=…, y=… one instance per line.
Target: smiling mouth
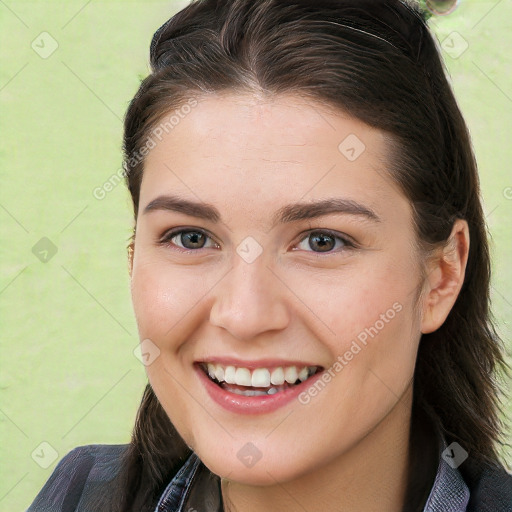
x=260, y=381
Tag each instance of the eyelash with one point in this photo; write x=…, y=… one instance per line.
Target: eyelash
x=165, y=240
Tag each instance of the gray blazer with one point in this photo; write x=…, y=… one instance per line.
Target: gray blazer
x=87, y=470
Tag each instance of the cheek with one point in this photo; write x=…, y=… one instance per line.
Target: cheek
x=370, y=316
x=355, y=296
x=162, y=296
x=379, y=326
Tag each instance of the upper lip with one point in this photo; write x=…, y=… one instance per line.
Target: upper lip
x=260, y=363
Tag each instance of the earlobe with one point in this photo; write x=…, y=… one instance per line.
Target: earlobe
x=445, y=277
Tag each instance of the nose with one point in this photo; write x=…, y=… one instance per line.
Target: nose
x=250, y=300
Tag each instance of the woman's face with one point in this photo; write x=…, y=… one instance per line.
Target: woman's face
x=260, y=290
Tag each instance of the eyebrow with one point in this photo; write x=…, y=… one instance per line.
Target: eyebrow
x=288, y=213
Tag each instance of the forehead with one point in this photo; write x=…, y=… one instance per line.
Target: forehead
x=272, y=122
x=262, y=149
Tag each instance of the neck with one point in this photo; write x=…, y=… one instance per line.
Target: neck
x=372, y=475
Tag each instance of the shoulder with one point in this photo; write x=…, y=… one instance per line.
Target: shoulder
x=491, y=490
x=490, y=486
x=76, y=474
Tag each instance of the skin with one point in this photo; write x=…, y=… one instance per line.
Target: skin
x=347, y=448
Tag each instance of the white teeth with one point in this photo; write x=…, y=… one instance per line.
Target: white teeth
x=303, y=374
x=260, y=378
x=290, y=374
x=219, y=372
x=229, y=375
x=251, y=392
x=247, y=392
x=243, y=377
x=277, y=377
x=211, y=370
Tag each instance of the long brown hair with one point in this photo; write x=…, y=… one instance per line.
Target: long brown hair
x=378, y=62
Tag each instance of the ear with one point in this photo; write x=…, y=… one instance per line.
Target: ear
x=130, y=249
x=446, y=272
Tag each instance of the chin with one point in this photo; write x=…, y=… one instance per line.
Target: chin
x=278, y=467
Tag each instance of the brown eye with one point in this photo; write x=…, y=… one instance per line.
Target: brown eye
x=186, y=239
x=192, y=239
x=325, y=242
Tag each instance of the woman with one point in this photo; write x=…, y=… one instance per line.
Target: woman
x=310, y=274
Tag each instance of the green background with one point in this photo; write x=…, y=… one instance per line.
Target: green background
x=68, y=374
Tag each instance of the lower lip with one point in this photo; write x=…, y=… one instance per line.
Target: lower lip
x=253, y=404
